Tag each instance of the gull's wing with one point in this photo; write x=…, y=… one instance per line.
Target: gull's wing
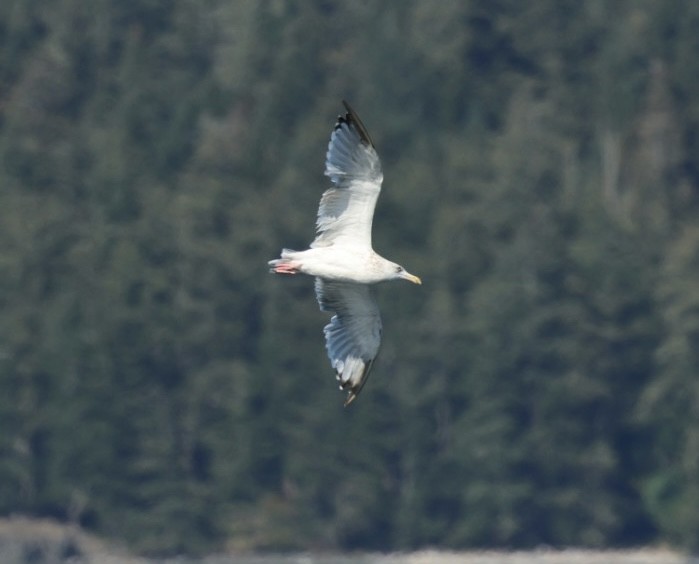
x=353, y=335
x=346, y=210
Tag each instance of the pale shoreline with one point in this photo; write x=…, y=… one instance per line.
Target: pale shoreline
x=50, y=541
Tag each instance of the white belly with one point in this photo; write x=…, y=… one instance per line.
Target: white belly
x=343, y=264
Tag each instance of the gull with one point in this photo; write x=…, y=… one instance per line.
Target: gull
x=341, y=257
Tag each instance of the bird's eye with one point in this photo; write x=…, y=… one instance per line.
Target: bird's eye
x=399, y=269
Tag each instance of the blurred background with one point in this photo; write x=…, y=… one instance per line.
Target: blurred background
x=159, y=388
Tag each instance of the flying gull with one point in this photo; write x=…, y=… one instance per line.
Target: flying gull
x=341, y=257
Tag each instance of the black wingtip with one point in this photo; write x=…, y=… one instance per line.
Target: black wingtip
x=353, y=392
x=352, y=119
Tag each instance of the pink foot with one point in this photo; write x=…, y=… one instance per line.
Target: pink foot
x=286, y=268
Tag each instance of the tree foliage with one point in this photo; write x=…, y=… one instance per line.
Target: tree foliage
x=159, y=387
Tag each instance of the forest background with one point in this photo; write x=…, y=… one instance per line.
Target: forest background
x=541, y=159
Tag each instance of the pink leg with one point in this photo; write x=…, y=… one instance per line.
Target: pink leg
x=286, y=268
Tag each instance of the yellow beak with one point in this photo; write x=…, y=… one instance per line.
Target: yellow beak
x=412, y=278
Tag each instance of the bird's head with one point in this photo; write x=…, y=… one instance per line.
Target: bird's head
x=400, y=272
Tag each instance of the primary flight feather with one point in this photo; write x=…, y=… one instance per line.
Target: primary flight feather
x=341, y=256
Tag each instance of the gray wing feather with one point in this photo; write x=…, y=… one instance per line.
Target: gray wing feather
x=346, y=210
x=353, y=336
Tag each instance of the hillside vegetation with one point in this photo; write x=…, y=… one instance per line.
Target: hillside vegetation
x=158, y=387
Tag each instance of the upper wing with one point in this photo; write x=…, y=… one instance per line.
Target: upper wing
x=346, y=210
x=353, y=335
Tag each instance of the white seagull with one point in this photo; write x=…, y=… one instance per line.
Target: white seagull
x=341, y=257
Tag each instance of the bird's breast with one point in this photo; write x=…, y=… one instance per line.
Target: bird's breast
x=341, y=264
